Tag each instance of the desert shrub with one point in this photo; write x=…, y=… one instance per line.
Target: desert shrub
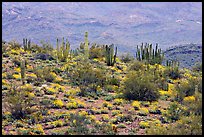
x=45, y=73
x=88, y=78
x=136, y=65
x=18, y=102
x=96, y=51
x=199, y=84
x=197, y=67
x=136, y=105
x=144, y=124
x=191, y=125
x=140, y=86
x=16, y=61
x=126, y=58
x=113, y=81
x=194, y=104
x=174, y=112
x=172, y=73
x=14, y=45
x=78, y=125
x=143, y=112
x=185, y=88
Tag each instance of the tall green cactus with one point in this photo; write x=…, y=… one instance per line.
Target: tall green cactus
x=173, y=67
x=110, y=56
x=63, y=50
x=26, y=44
x=86, y=47
x=22, y=66
x=148, y=54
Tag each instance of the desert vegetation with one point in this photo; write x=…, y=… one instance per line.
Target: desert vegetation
x=57, y=90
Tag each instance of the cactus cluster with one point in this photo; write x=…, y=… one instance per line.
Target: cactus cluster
x=148, y=54
x=26, y=44
x=109, y=55
x=173, y=65
x=173, y=68
x=63, y=50
x=22, y=66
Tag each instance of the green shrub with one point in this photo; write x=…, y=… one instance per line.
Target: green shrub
x=140, y=86
x=186, y=126
x=185, y=88
x=96, y=51
x=136, y=65
x=126, y=58
x=174, y=112
x=18, y=102
x=45, y=73
x=113, y=81
x=88, y=78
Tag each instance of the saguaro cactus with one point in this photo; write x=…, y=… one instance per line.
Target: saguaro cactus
x=22, y=66
x=86, y=47
x=110, y=56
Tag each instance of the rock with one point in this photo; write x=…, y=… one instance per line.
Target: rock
x=44, y=56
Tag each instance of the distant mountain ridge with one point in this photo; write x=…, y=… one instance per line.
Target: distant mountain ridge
x=126, y=24
x=188, y=55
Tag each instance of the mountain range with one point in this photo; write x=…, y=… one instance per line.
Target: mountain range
x=125, y=24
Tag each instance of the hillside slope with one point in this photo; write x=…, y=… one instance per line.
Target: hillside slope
x=124, y=24
x=188, y=55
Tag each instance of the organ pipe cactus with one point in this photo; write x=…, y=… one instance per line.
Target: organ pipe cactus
x=63, y=50
x=173, y=67
x=110, y=56
x=26, y=44
x=148, y=54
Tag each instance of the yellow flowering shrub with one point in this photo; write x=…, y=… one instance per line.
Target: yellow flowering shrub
x=187, y=75
x=117, y=101
x=165, y=93
x=29, y=67
x=136, y=105
x=4, y=82
x=50, y=91
x=110, y=106
x=83, y=113
x=80, y=103
x=57, y=123
x=115, y=112
x=31, y=95
x=71, y=105
x=14, y=52
x=105, y=117
x=17, y=69
x=32, y=75
x=27, y=87
x=189, y=99
x=144, y=124
x=4, y=75
x=17, y=76
x=58, y=103
x=58, y=79
x=53, y=74
x=143, y=111
x=39, y=129
x=120, y=117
